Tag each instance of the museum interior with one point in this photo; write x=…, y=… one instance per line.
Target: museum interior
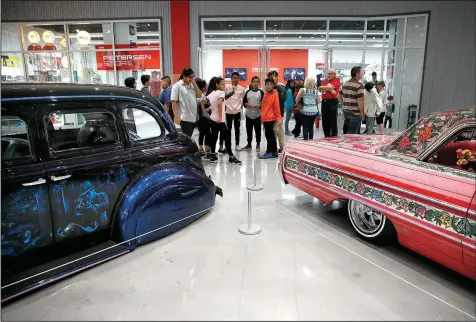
x=300, y=160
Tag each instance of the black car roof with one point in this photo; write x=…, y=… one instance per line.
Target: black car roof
x=35, y=90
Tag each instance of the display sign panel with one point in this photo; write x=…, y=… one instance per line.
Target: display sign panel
x=128, y=59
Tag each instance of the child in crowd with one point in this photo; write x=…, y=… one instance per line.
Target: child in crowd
x=252, y=102
x=145, y=80
x=271, y=118
x=203, y=122
x=216, y=98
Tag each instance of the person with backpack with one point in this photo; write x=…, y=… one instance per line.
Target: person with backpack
x=308, y=99
x=252, y=102
x=390, y=108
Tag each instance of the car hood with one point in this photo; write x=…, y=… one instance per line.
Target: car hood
x=370, y=144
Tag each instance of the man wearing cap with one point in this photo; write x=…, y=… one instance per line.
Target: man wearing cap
x=330, y=89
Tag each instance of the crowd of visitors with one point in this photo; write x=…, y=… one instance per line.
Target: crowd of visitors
x=216, y=108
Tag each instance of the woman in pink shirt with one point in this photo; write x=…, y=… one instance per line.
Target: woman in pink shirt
x=216, y=97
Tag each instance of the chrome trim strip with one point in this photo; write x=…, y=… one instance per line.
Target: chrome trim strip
x=280, y=171
x=113, y=246
x=42, y=283
x=441, y=203
x=392, y=212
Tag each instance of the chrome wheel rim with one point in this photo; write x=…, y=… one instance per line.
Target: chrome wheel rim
x=365, y=219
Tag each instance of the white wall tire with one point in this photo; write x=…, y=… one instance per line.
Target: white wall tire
x=370, y=224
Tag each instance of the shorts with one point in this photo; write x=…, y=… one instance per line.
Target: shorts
x=380, y=118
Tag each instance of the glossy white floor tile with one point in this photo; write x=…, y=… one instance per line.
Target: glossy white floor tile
x=306, y=264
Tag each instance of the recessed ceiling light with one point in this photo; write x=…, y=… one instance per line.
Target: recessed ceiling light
x=300, y=36
x=148, y=24
x=276, y=37
x=275, y=25
x=77, y=30
x=312, y=36
x=373, y=26
x=254, y=38
x=416, y=26
x=373, y=37
x=229, y=25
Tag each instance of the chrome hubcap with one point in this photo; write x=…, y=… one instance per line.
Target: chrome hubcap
x=367, y=220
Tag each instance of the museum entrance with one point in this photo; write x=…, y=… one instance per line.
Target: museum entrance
x=392, y=47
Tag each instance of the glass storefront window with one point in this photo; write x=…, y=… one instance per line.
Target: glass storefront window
x=93, y=67
x=44, y=37
x=47, y=67
x=231, y=33
x=374, y=34
x=90, y=36
x=81, y=52
x=394, y=33
x=11, y=37
x=135, y=63
x=136, y=34
x=416, y=31
x=344, y=33
x=12, y=67
x=342, y=60
x=373, y=63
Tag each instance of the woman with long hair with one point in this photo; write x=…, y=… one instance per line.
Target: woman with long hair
x=311, y=97
x=297, y=127
x=216, y=97
x=289, y=104
x=203, y=121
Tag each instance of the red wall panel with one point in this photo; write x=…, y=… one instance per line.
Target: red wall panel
x=280, y=59
x=180, y=27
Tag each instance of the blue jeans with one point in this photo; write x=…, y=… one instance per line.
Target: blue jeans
x=353, y=124
x=286, y=120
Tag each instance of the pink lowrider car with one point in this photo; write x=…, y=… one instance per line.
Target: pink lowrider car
x=419, y=185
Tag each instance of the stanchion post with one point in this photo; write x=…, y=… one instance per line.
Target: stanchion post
x=249, y=228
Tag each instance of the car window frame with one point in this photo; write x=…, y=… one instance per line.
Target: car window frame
x=31, y=129
x=444, y=140
x=79, y=107
x=141, y=106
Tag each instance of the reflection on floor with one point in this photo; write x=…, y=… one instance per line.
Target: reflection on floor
x=306, y=264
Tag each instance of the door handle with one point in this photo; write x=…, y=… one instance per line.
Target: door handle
x=55, y=178
x=34, y=183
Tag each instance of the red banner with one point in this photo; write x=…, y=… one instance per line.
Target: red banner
x=127, y=59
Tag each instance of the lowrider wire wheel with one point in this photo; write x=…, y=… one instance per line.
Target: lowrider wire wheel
x=369, y=223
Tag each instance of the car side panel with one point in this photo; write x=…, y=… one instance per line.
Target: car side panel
x=429, y=225
x=162, y=200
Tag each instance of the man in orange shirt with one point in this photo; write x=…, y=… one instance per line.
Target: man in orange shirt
x=330, y=89
x=271, y=118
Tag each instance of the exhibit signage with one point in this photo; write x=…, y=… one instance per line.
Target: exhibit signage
x=128, y=60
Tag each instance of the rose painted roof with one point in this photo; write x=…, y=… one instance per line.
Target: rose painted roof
x=427, y=130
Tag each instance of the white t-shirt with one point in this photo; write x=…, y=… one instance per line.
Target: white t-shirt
x=213, y=99
x=383, y=97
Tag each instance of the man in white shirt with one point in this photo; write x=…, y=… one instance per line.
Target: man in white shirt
x=383, y=97
x=234, y=94
x=184, y=98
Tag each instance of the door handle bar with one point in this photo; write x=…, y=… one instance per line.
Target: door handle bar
x=34, y=183
x=55, y=178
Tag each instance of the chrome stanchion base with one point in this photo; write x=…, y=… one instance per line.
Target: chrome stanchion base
x=257, y=187
x=246, y=229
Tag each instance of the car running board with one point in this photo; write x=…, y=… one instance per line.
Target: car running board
x=30, y=279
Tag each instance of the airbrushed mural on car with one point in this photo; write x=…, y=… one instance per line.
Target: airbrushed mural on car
x=86, y=206
x=24, y=229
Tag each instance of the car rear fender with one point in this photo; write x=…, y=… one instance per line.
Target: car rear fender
x=160, y=201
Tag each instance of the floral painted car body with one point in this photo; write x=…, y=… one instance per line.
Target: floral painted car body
x=418, y=185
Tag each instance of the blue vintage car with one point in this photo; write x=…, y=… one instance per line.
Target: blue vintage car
x=89, y=172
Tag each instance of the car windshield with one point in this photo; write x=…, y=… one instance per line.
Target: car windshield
x=415, y=140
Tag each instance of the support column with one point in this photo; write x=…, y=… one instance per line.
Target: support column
x=180, y=28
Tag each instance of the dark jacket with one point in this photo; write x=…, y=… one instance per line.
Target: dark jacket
x=281, y=89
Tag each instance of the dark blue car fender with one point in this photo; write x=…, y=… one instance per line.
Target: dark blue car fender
x=160, y=201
